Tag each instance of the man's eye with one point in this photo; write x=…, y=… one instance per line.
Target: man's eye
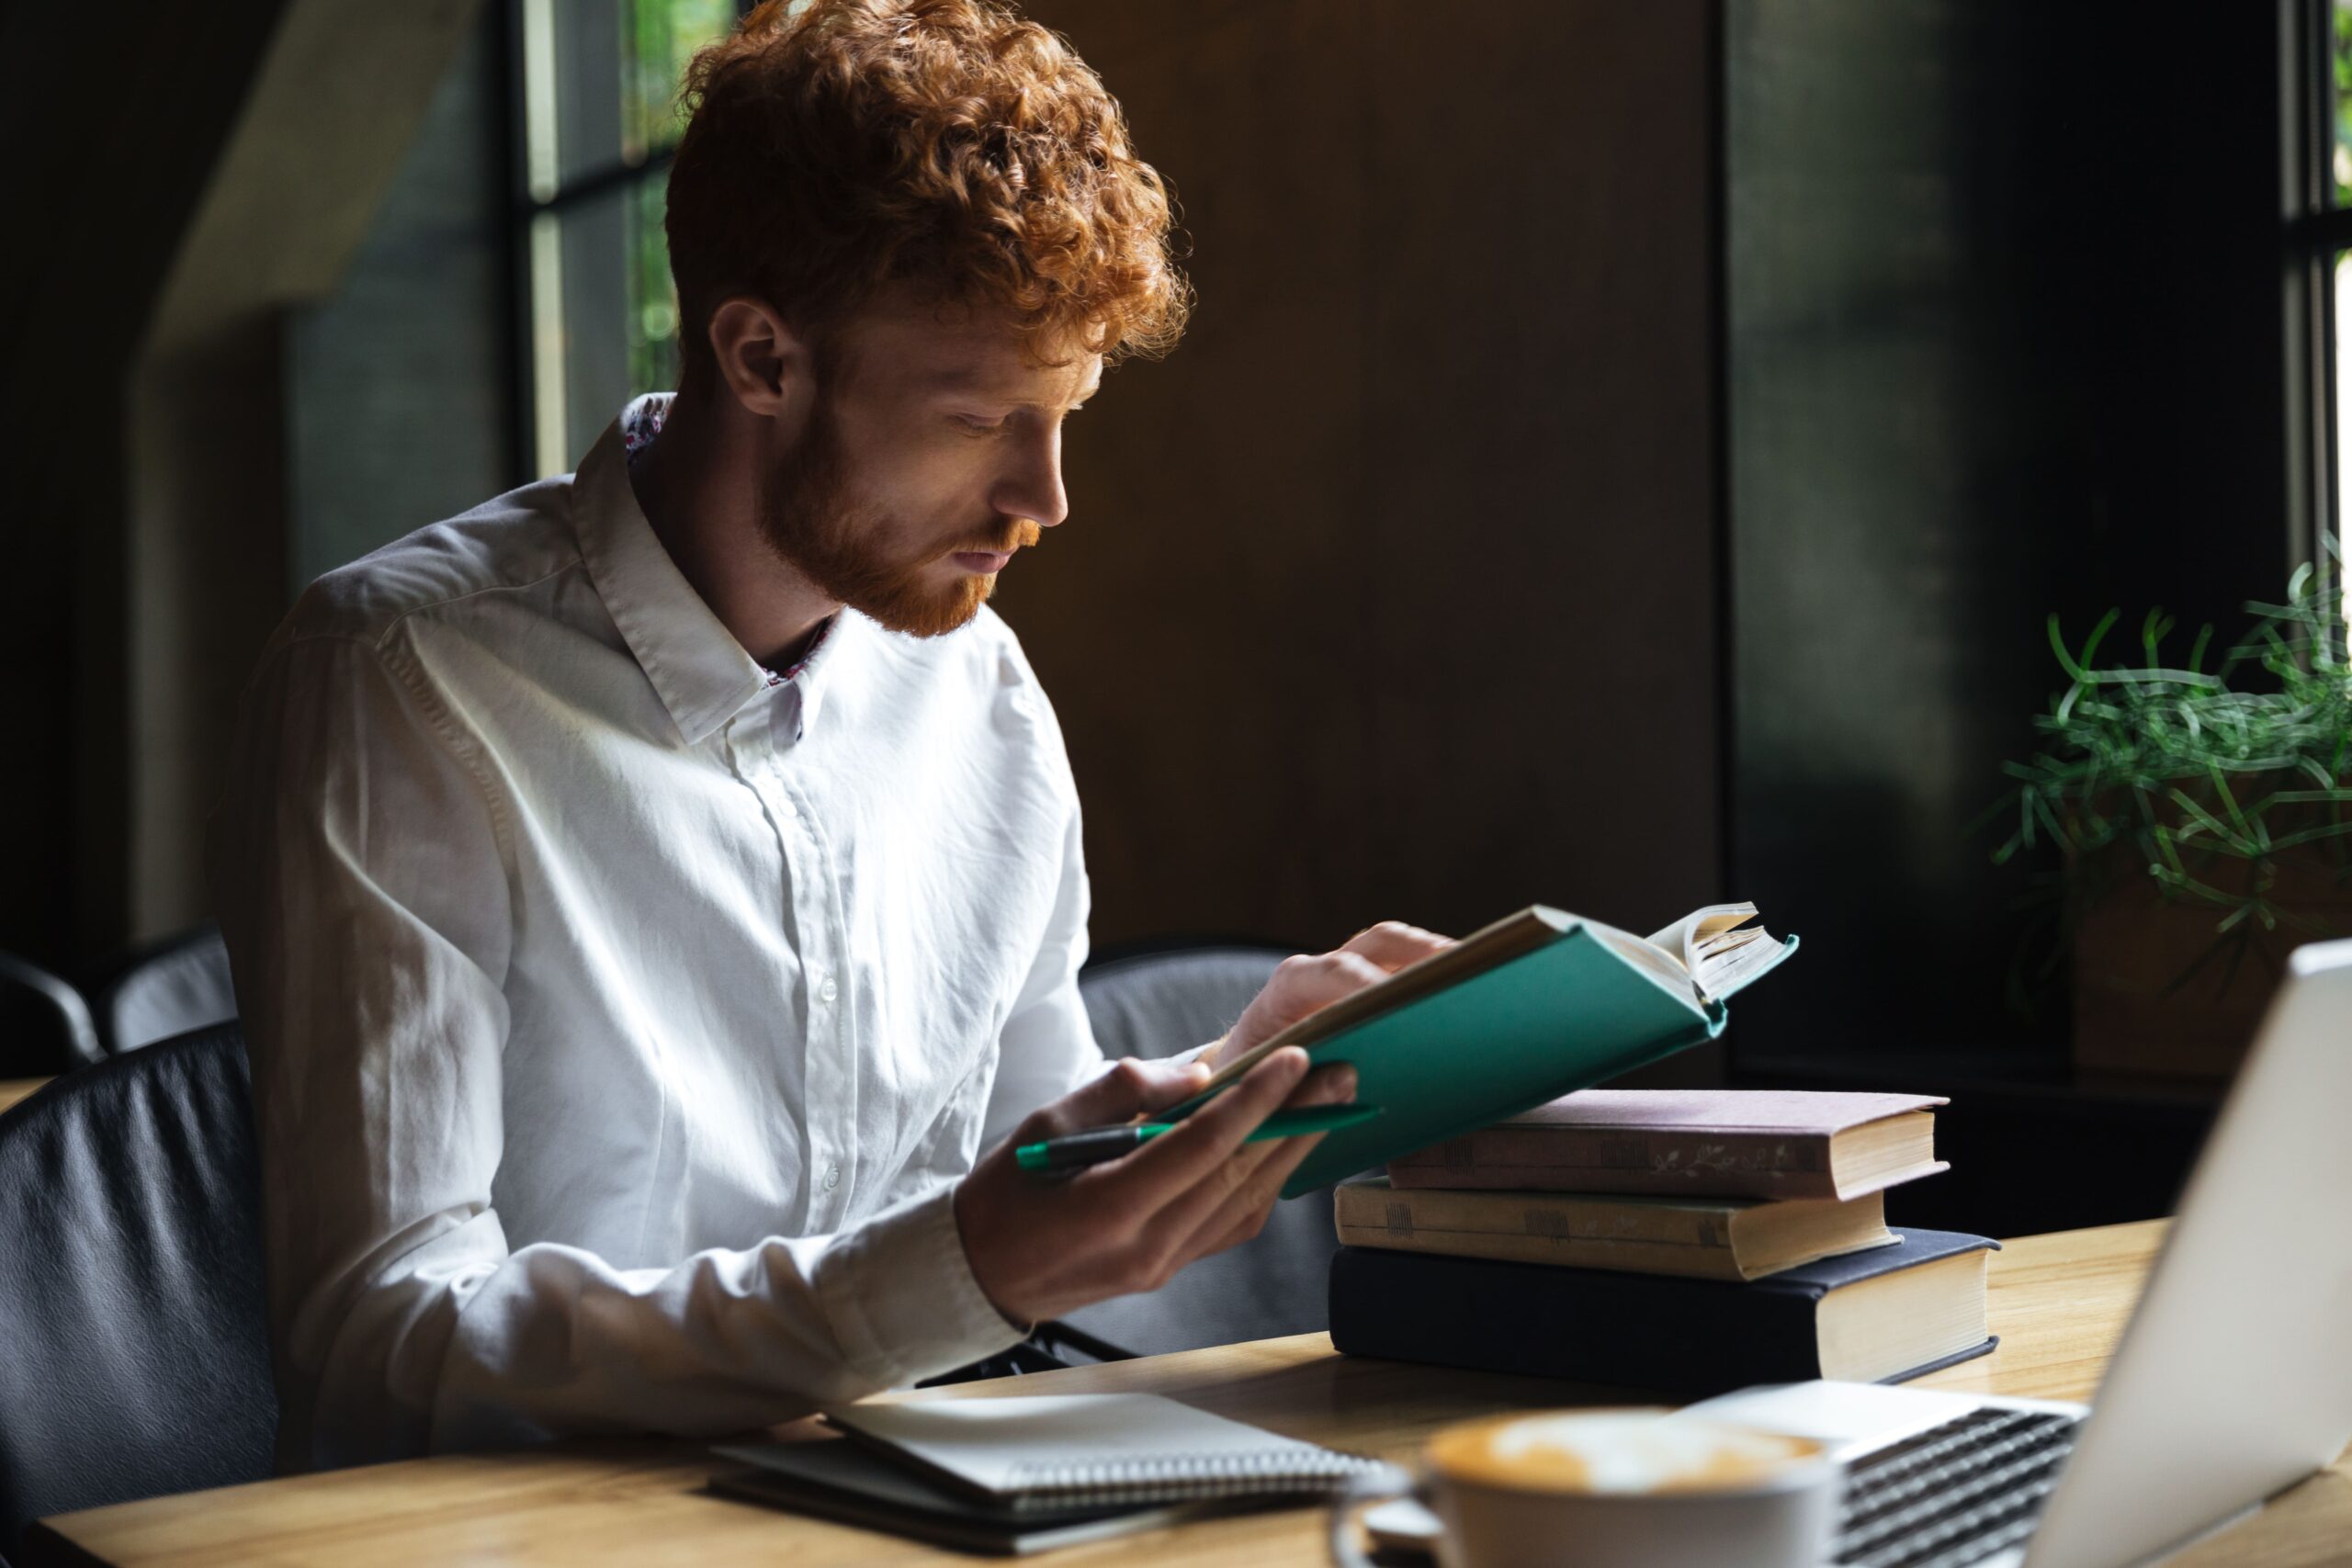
x=972, y=426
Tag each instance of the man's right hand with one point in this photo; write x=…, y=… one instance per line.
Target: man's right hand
x=1043, y=1245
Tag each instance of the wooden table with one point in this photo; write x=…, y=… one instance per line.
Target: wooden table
x=2059, y=1301
x=14, y=1090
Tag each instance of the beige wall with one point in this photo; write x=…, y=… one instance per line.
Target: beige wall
x=1391, y=593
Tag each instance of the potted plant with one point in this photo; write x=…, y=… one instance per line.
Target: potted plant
x=2200, y=819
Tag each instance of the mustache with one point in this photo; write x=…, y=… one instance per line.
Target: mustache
x=1019, y=533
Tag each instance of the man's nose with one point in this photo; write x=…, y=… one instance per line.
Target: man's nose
x=1032, y=486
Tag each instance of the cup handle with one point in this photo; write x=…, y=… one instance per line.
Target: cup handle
x=1374, y=1486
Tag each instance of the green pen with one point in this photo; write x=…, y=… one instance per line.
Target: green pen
x=1100, y=1144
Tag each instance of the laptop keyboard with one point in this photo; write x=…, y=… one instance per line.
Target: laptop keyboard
x=1955, y=1493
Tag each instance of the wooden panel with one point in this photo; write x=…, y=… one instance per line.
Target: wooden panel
x=1337, y=628
x=2058, y=1303
x=14, y=1090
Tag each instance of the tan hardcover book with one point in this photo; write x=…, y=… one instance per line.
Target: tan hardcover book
x=1678, y=1142
x=1699, y=1238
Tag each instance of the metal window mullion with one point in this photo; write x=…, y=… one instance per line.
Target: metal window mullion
x=2315, y=231
x=603, y=181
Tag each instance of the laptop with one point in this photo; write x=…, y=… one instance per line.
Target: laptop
x=2232, y=1382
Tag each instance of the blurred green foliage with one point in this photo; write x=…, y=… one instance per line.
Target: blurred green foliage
x=2210, y=782
x=658, y=39
x=2340, y=71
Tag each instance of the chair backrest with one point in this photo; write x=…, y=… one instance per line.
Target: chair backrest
x=136, y=1361
x=168, y=989
x=1172, y=996
x=1157, y=1004
x=45, y=1026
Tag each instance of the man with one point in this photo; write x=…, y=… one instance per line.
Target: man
x=651, y=892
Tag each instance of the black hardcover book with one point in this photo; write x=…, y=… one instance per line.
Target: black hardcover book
x=1882, y=1314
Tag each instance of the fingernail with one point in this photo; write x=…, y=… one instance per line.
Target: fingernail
x=1344, y=1083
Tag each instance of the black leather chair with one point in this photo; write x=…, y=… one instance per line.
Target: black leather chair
x=1155, y=1004
x=135, y=1359
x=45, y=1026
x=167, y=990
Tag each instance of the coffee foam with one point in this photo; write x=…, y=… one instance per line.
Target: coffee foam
x=1618, y=1452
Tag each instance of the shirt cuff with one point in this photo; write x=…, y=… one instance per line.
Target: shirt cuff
x=899, y=1295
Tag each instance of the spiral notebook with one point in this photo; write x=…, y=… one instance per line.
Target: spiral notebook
x=835, y=1479
x=1084, y=1449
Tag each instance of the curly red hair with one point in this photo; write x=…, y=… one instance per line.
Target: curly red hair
x=947, y=144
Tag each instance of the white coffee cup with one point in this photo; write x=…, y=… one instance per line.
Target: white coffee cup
x=1615, y=1489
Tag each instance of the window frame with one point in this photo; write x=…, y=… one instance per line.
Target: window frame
x=540, y=197
x=2316, y=233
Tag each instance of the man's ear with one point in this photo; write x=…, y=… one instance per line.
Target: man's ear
x=761, y=360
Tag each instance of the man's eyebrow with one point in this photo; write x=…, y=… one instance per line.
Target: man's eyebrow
x=963, y=381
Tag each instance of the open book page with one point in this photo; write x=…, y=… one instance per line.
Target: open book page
x=1720, y=948
x=1655, y=959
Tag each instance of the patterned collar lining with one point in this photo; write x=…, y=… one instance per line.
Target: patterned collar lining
x=640, y=423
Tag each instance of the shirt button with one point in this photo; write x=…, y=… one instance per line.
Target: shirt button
x=828, y=991
x=833, y=1177
x=783, y=804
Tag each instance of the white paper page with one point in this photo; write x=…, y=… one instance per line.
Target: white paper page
x=1721, y=949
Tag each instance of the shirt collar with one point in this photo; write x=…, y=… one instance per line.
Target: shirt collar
x=702, y=674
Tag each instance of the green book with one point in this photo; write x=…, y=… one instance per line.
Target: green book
x=1538, y=1005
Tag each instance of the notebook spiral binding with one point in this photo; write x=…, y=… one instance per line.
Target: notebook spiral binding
x=1170, y=1477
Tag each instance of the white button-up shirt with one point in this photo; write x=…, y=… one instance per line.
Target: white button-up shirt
x=621, y=1015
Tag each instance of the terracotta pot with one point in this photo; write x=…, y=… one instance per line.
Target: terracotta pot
x=2135, y=1014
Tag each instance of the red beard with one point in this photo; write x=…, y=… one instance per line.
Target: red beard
x=809, y=516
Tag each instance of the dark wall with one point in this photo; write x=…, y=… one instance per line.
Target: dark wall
x=227, y=171
x=109, y=183
x=2006, y=337
x=1387, y=594
x=401, y=387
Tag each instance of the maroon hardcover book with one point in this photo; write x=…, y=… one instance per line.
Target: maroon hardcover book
x=1720, y=1142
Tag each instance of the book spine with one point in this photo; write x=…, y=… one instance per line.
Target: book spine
x=1554, y=1252
x=1679, y=1336
x=1662, y=1163
x=1568, y=1229
x=1563, y=1215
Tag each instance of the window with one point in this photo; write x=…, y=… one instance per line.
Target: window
x=2332, y=258
x=2318, y=271
x=599, y=121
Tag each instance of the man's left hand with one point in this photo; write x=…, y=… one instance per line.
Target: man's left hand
x=1309, y=981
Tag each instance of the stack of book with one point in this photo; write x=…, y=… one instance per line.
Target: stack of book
x=1689, y=1242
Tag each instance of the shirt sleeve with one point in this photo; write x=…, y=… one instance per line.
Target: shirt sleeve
x=362, y=873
